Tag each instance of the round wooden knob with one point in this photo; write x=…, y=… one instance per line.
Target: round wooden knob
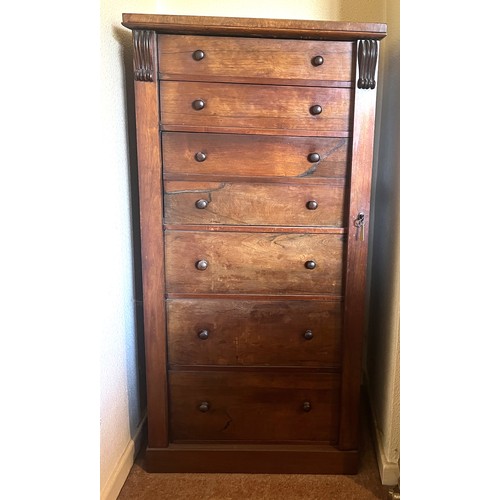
x=199, y=156
x=310, y=264
x=313, y=158
x=317, y=61
x=201, y=204
x=312, y=205
x=199, y=104
x=314, y=110
x=201, y=265
x=306, y=406
x=204, y=407
x=198, y=55
x=308, y=334
x=203, y=334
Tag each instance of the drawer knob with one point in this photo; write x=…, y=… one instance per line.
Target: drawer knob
x=312, y=205
x=198, y=55
x=204, y=407
x=306, y=406
x=201, y=204
x=201, y=265
x=313, y=158
x=203, y=335
x=198, y=104
x=199, y=156
x=308, y=334
x=317, y=61
x=310, y=264
x=315, y=110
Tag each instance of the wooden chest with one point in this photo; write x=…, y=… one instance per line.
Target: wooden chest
x=255, y=141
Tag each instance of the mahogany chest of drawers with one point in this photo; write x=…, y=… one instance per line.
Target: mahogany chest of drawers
x=255, y=141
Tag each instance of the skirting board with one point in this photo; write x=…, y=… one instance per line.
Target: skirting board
x=389, y=471
x=115, y=483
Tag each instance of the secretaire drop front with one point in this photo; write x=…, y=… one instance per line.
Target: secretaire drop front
x=255, y=146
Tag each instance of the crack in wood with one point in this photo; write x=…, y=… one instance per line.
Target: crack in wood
x=310, y=171
x=222, y=185
x=228, y=423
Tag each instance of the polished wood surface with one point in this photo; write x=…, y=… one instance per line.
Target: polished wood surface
x=261, y=27
x=151, y=209
x=263, y=263
x=236, y=155
x=259, y=109
x=257, y=459
x=250, y=60
x=254, y=406
x=254, y=204
x=256, y=145
x=356, y=264
x=254, y=332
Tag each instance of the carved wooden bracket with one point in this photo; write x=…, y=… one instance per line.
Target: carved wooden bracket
x=367, y=61
x=144, y=44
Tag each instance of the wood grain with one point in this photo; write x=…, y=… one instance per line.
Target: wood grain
x=356, y=265
x=258, y=459
x=254, y=204
x=262, y=263
x=254, y=332
x=153, y=268
x=251, y=60
x=256, y=299
x=259, y=27
x=258, y=108
x=254, y=406
x=264, y=156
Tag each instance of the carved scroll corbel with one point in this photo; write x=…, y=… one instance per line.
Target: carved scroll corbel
x=367, y=63
x=144, y=53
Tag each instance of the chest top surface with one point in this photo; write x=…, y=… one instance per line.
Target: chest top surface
x=255, y=27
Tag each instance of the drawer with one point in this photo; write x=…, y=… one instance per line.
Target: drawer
x=223, y=59
x=266, y=263
x=254, y=108
x=254, y=332
x=253, y=406
x=253, y=155
x=254, y=204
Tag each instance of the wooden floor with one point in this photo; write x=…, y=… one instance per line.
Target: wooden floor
x=366, y=485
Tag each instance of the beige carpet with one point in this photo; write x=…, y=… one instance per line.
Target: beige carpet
x=366, y=485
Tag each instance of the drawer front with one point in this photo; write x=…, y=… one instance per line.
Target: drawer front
x=254, y=155
x=253, y=406
x=254, y=108
x=267, y=263
x=223, y=59
x=254, y=204
x=252, y=332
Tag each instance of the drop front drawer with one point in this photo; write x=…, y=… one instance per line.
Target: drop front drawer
x=265, y=263
x=205, y=107
x=254, y=332
x=223, y=59
x=253, y=406
x=254, y=204
x=253, y=155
